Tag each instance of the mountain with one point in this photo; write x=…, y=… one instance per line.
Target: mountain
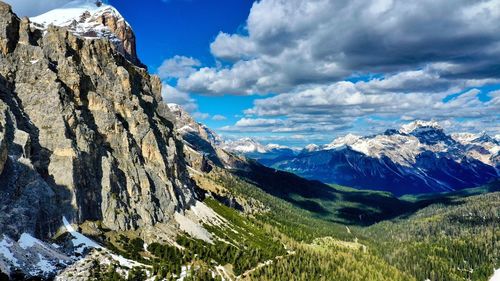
x=203, y=148
x=84, y=137
x=253, y=149
x=93, y=19
x=418, y=158
x=102, y=180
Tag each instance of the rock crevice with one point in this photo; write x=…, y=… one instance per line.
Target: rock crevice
x=93, y=140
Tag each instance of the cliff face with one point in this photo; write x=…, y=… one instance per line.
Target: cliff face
x=93, y=19
x=86, y=135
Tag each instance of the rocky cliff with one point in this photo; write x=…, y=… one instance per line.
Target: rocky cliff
x=93, y=19
x=84, y=134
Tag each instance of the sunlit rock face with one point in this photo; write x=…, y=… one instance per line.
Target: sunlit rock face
x=84, y=134
x=93, y=19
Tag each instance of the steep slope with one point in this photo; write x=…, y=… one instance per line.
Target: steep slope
x=203, y=147
x=309, y=212
x=418, y=158
x=84, y=135
x=234, y=179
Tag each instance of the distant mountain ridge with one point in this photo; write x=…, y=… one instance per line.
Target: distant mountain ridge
x=419, y=157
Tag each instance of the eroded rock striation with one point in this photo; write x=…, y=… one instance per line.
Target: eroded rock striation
x=84, y=134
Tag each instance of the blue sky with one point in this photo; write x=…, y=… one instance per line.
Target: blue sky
x=301, y=71
x=186, y=28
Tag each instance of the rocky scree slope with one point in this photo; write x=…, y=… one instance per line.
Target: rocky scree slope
x=84, y=134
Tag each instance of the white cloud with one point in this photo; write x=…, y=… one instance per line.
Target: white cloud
x=177, y=67
x=200, y=115
x=32, y=8
x=292, y=43
x=326, y=108
x=218, y=117
x=244, y=77
x=232, y=46
x=172, y=95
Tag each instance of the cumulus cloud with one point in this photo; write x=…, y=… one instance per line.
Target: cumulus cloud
x=396, y=99
x=218, y=117
x=32, y=8
x=200, y=115
x=177, y=67
x=172, y=95
x=295, y=42
x=348, y=99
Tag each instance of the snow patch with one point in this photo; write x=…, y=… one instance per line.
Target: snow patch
x=27, y=241
x=184, y=272
x=420, y=125
x=5, y=250
x=496, y=275
x=80, y=241
x=192, y=228
x=44, y=265
x=125, y=262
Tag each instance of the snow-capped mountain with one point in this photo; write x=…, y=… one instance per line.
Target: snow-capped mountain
x=254, y=149
x=480, y=146
x=201, y=143
x=92, y=19
x=311, y=147
x=419, y=157
x=245, y=146
x=187, y=125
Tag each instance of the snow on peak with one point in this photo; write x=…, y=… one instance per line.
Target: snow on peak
x=346, y=140
x=312, y=147
x=245, y=145
x=468, y=138
x=464, y=138
x=80, y=11
x=272, y=146
x=419, y=125
x=175, y=107
x=91, y=19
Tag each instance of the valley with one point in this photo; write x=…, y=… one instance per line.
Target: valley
x=103, y=179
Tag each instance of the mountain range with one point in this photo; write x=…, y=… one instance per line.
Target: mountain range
x=101, y=179
x=417, y=158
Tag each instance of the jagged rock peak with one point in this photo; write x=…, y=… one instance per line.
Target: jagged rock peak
x=312, y=147
x=419, y=125
x=93, y=19
x=348, y=139
x=86, y=135
x=245, y=145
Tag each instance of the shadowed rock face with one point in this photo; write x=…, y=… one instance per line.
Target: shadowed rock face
x=86, y=134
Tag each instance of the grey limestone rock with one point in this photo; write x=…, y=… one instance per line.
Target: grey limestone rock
x=83, y=134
